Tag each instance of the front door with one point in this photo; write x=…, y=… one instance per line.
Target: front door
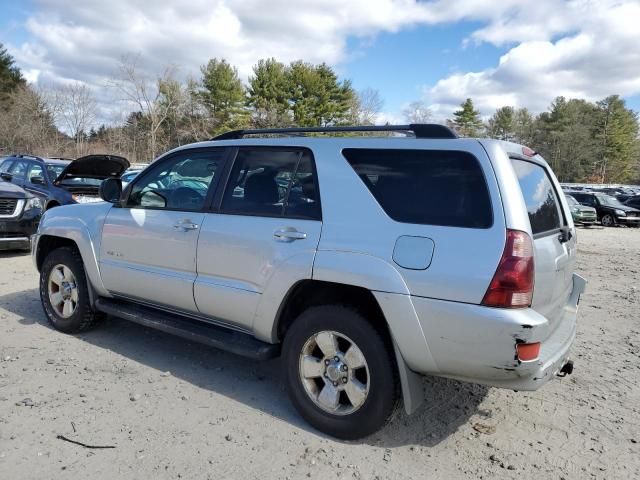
x=148, y=249
x=36, y=181
x=263, y=236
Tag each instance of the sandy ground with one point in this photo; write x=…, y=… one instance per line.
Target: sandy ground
x=216, y=415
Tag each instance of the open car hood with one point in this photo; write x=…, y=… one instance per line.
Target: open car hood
x=95, y=166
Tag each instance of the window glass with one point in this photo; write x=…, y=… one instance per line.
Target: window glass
x=35, y=170
x=429, y=187
x=539, y=196
x=5, y=165
x=263, y=180
x=18, y=169
x=181, y=183
x=54, y=170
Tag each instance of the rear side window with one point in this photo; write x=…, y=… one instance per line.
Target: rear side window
x=539, y=196
x=274, y=183
x=428, y=187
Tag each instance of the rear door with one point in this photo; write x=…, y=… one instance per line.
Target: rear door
x=148, y=249
x=554, y=257
x=262, y=235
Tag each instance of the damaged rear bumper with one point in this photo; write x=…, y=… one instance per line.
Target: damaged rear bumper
x=477, y=344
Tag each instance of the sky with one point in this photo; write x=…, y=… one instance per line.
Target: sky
x=513, y=52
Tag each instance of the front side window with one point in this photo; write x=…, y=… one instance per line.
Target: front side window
x=181, y=183
x=35, y=170
x=539, y=196
x=270, y=182
x=18, y=169
x=428, y=187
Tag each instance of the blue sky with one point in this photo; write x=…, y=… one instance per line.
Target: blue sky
x=515, y=52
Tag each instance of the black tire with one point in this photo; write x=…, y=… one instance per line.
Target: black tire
x=381, y=400
x=608, y=220
x=83, y=316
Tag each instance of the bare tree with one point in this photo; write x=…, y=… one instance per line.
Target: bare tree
x=417, y=112
x=74, y=108
x=148, y=96
x=369, y=106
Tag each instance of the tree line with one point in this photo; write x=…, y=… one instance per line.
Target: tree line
x=583, y=141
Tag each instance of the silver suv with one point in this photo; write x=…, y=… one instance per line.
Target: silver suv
x=364, y=261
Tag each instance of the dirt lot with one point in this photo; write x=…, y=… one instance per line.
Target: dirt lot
x=220, y=416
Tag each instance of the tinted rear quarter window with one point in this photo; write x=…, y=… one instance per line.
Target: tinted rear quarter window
x=428, y=187
x=539, y=196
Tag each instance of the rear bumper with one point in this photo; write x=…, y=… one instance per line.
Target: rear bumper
x=477, y=344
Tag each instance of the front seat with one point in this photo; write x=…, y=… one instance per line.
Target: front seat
x=261, y=192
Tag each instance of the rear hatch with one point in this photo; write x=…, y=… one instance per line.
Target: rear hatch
x=554, y=238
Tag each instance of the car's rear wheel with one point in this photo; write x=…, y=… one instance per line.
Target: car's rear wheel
x=607, y=220
x=341, y=373
x=64, y=292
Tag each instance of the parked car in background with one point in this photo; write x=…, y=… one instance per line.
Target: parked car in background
x=60, y=181
x=581, y=214
x=609, y=209
x=338, y=253
x=633, y=202
x=19, y=216
x=129, y=175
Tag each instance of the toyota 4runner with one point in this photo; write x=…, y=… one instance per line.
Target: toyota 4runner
x=364, y=261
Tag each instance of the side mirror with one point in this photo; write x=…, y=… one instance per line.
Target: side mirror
x=6, y=176
x=111, y=190
x=37, y=180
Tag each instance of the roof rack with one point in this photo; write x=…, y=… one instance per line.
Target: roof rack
x=419, y=130
x=25, y=155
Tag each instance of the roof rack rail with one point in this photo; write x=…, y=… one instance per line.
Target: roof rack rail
x=25, y=155
x=420, y=130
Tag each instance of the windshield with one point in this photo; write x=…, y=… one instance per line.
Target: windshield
x=54, y=170
x=609, y=201
x=571, y=201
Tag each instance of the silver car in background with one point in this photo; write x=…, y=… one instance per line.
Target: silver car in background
x=363, y=261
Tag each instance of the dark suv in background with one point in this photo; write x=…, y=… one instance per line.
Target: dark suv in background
x=59, y=181
x=19, y=216
x=609, y=209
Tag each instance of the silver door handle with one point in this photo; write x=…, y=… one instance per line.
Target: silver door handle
x=184, y=226
x=288, y=235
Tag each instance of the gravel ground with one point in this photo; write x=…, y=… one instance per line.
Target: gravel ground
x=179, y=410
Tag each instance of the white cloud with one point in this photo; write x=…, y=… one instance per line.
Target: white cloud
x=580, y=48
x=587, y=48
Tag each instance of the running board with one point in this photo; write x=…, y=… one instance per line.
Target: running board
x=193, y=330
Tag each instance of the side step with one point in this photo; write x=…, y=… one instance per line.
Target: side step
x=194, y=330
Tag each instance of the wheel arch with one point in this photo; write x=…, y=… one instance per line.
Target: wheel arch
x=308, y=293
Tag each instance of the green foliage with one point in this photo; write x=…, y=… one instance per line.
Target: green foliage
x=223, y=95
x=10, y=75
x=269, y=92
x=467, y=120
x=582, y=141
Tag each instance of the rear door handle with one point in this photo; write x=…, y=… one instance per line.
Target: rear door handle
x=288, y=235
x=186, y=225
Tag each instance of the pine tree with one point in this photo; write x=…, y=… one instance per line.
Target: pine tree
x=223, y=94
x=10, y=75
x=467, y=120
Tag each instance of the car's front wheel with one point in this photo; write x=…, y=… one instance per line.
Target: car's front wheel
x=607, y=220
x=64, y=293
x=341, y=373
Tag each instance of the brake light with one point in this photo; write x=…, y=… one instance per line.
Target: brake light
x=528, y=351
x=512, y=284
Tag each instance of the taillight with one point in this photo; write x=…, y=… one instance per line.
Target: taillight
x=512, y=284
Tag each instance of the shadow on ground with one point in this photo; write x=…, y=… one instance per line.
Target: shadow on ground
x=448, y=403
